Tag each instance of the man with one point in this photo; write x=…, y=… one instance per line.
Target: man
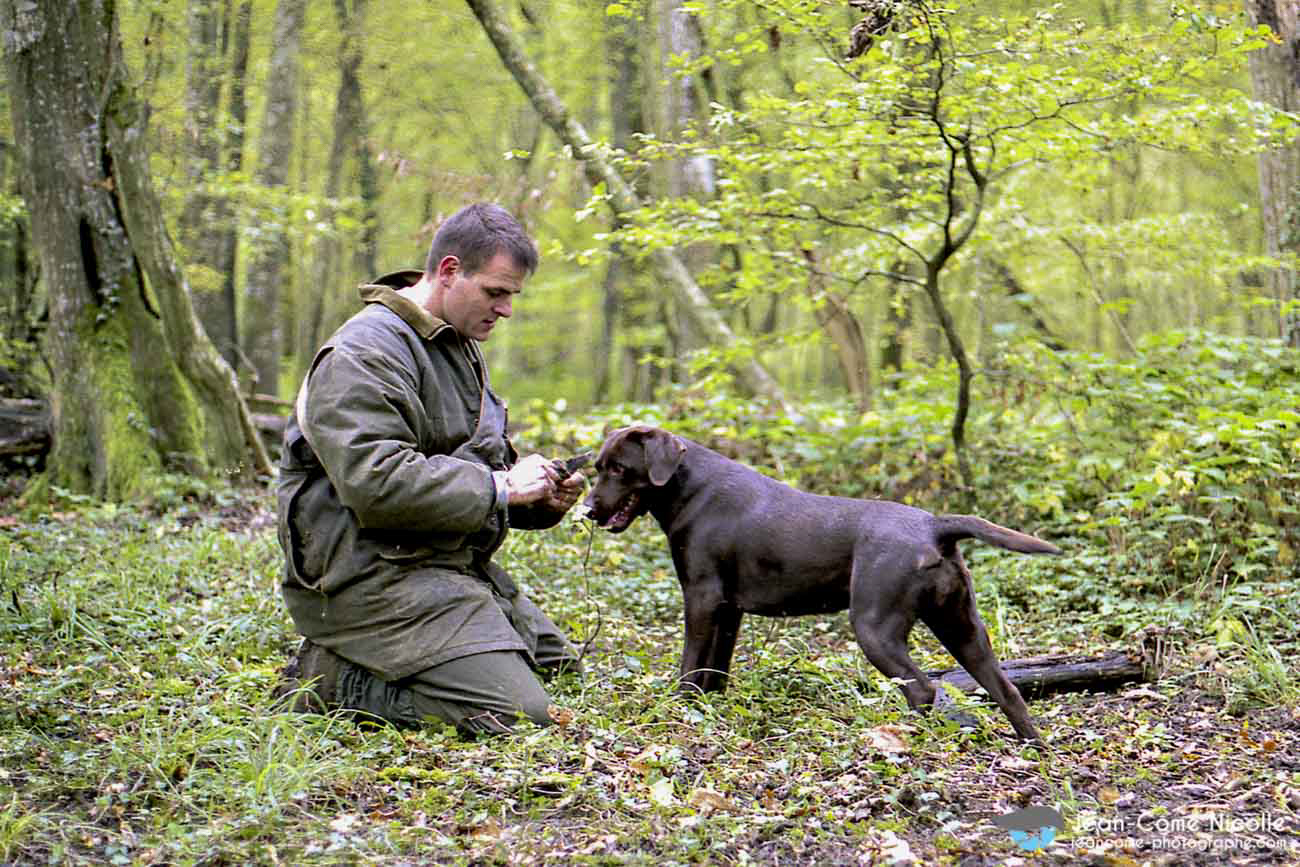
x=398, y=483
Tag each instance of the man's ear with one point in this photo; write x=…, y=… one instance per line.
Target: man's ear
x=448, y=267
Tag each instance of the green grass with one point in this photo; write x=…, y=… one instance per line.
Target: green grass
x=138, y=652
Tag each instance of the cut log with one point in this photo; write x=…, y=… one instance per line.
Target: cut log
x=24, y=427
x=271, y=426
x=1038, y=676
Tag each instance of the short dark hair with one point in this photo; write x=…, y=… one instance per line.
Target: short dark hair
x=478, y=232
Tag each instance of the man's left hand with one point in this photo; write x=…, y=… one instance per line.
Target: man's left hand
x=566, y=493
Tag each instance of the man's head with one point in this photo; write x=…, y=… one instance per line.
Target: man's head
x=477, y=263
x=475, y=234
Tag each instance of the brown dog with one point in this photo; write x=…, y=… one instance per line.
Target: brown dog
x=745, y=543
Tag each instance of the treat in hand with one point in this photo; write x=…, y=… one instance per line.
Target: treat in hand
x=570, y=466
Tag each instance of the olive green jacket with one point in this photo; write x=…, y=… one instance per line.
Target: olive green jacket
x=388, y=508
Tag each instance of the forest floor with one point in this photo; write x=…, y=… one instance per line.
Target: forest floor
x=138, y=650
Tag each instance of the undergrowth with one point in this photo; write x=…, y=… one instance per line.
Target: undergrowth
x=139, y=646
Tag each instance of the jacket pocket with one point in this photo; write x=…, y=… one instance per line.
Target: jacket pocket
x=320, y=533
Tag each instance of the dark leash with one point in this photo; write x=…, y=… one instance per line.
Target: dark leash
x=586, y=592
x=567, y=468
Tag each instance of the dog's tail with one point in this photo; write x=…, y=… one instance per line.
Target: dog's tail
x=952, y=528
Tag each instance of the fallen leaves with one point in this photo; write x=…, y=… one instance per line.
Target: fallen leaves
x=707, y=801
x=888, y=738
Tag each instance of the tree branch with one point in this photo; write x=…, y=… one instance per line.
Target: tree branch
x=620, y=196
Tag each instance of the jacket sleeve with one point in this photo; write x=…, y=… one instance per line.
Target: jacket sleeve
x=534, y=516
x=359, y=417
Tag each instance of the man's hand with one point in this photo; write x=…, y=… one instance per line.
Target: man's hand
x=532, y=479
x=566, y=493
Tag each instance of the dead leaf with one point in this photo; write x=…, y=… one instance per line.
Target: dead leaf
x=643, y=761
x=489, y=830
x=888, y=738
x=707, y=801
x=888, y=848
x=661, y=792
x=561, y=716
x=1145, y=692
x=1108, y=795
x=343, y=823
x=591, y=760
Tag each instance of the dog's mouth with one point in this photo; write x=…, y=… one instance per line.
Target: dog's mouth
x=624, y=516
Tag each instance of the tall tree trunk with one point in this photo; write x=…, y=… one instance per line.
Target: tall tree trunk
x=326, y=282
x=19, y=311
x=627, y=119
x=622, y=199
x=898, y=318
x=679, y=111
x=205, y=214
x=1275, y=73
x=269, y=261
x=235, y=41
x=837, y=320
x=125, y=360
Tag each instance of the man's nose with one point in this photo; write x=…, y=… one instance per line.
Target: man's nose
x=504, y=307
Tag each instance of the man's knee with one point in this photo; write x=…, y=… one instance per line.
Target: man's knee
x=487, y=693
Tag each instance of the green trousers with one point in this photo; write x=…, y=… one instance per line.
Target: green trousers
x=485, y=693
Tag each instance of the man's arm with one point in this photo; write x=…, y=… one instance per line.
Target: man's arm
x=359, y=417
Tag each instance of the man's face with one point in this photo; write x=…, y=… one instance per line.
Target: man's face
x=473, y=303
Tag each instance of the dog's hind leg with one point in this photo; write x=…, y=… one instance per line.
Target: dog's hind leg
x=957, y=624
x=882, y=635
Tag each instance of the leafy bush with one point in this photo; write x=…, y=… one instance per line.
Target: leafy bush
x=1178, y=467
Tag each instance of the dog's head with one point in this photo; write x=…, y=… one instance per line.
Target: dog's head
x=633, y=463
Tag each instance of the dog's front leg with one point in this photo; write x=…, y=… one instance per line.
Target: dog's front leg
x=711, y=628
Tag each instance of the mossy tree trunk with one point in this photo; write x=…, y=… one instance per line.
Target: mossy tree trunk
x=138, y=389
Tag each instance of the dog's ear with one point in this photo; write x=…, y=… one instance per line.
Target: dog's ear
x=663, y=452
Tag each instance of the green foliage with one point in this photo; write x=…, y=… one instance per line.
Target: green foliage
x=1174, y=473
x=1011, y=127
x=140, y=647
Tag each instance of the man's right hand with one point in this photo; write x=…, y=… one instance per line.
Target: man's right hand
x=532, y=479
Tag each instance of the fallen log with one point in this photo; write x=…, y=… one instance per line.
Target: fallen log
x=1038, y=676
x=24, y=427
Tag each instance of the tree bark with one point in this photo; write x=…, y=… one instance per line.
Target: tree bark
x=621, y=198
x=269, y=261
x=837, y=320
x=898, y=318
x=627, y=120
x=20, y=308
x=236, y=38
x=347, y=140
x=679, y=110
x=1275, y=74
x=205, y=214
x=136, y=385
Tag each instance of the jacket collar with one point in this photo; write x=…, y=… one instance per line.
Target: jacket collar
x=384, y=291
